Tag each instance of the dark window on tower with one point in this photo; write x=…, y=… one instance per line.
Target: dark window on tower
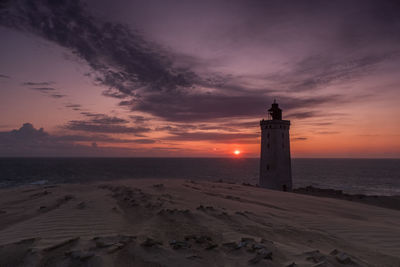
x=268, y=145
x=267, y=167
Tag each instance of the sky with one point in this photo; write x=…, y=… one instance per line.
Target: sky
x=185, y=78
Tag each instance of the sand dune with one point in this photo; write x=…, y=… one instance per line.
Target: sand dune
x=186, y=223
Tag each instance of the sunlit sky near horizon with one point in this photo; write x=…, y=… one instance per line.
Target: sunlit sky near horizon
x=179, y=78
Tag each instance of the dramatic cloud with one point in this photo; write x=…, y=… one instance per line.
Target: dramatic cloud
x=123, y=60
x=208, y=107
x=169, y=73
x=27, y=133
x=145, y=74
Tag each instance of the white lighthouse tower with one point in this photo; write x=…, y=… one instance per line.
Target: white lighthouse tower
x=275, y=164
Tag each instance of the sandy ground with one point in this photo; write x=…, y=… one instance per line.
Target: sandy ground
x=186, y=223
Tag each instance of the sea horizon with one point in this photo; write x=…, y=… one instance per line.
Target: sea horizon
x=379, y=176
x=180, y=157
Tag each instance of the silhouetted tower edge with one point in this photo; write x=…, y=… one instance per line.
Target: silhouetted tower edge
x=275, y=162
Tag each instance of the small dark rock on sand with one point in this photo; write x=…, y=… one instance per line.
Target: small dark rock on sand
x=149, y=242
x=81, y=205
x=114, y=247
x=179, y=244
x=61, y=244
x=207, y=208
x=344, y=258
x=314, y=256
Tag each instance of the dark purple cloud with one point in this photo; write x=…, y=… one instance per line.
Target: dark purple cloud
x=76, y=107
x=29, y=141
x=134, y=68
x=102, y=123
x=37, y=83
x=330, y=44
x=43, y=89
x=213, y=137
x=180, y=107
x=139, y=119
x=73, y=106
x=91, y=114
x=123, y=60
x=48, y=91
x=57, y=96
x=91, y=127
x=108, y=120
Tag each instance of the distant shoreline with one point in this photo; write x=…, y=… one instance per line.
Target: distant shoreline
x=390, y=202
x=353, y=176
x=230, y=157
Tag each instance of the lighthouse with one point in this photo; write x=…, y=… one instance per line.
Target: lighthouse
x=275, y=164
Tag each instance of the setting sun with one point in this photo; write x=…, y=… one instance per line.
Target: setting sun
x=236, y=152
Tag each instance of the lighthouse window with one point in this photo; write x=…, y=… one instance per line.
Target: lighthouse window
x=267, y=167
x=268, y=145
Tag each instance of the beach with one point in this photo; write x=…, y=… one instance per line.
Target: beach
x=176, y=222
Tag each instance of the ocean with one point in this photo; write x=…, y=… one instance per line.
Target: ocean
x=355, y=176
